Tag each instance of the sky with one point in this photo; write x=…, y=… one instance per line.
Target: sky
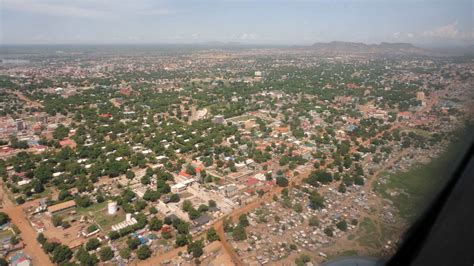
x=293, y=22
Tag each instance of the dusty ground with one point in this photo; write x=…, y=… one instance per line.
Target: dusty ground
x=156, y=260
x=28, y=234
x=220, y=256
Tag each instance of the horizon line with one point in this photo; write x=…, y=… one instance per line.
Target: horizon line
x=236, y=43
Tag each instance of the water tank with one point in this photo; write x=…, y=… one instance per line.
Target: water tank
x=112, y=207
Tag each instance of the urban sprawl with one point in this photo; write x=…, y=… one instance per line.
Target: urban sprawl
x=221, y=156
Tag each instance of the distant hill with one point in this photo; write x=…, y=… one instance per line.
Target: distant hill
x=358, y=47
x=219, y=43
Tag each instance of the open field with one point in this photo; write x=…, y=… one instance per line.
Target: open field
x=369, y=234
x=98, y=212
x=416, y=187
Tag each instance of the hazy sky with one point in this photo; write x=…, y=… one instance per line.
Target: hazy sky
x=246, y=21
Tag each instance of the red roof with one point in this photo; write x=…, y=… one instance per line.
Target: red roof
x=105, y=115
x=250, y=190
x=6, y=149
x=125, y=91
x=67, y=142
x=403, y=113
x=40, y=147
x=270, y=183
x=183, y=173
x=251, y=181
x=166, y=228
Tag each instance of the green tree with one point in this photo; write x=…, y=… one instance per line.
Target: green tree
x=92, y=244
x=57, y=220
x=85, y=258
x=212, y=235
x=61, y=254
x=298, y=207
x=60, y=132
x=155, y=224
x=359, y=181
x=174, y=198
x=4, y=218
x=212, y=203
x=125, y=253
x=196, y=248
x=143, y=252
x=239, y=233
x=316, y=201
x=302, y=260
x=114, y=235
x=243, y=221
x=106, y=254
x=187, y=205
x=181, y=240
x=129, y=174
x=14, y=240
x=83, y=201
x=133, y=243
x=313, y=221
x=342, y=188
x=329, y=231
x=342, y=225
x=227, y=223
x=281, y=181
x=151, y=195
x=41, y=238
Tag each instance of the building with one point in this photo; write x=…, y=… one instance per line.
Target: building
x=179, y=187
x=420, y=96
x=350, y=128
x=20, y=259
x=230, y=190
x=218, y=119
x=202, y=220
x=20, y=124
x=112, y=207
x=68, y=143
x=126, y=91
x=42, y=119
x=61, y=206
x=404, y=115
x=129, y=221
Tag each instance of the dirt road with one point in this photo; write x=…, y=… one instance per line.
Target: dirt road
x=28, y=101
x=218, y=225
x=234, y=215
x=153, y=261
x=27, y=233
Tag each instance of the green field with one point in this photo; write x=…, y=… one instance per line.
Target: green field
x=241, y=118
x=98, y=212
x=345, y=253
x=420, y=184
x=419, y=132
x=368, y=234
x=93, y=208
